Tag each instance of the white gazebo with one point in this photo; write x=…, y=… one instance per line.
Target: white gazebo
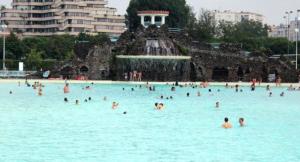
x=152, y=17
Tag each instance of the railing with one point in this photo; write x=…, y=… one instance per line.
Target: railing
x=15, y=74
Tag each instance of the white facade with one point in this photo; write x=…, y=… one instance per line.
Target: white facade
x=235, y=17
x=282, y=31
x=52, y=17
x=157, y=18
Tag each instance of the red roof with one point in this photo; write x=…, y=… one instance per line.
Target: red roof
x=154, y=12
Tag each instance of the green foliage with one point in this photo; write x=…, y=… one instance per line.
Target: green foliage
x=179, y=11
x=2, y=7
x=34, y=59
x=277, y=45
x=85, y=42
x=14, y=47
x=203, y=29
x=57, y=47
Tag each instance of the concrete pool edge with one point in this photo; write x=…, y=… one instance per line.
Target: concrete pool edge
x=127, y=82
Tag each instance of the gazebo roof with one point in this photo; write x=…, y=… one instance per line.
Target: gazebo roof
x=153, y=12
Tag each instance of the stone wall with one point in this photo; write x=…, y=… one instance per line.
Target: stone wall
x=154, y=70
x=96, y=65
x=218, y=66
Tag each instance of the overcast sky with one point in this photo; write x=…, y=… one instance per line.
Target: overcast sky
x=273, y=10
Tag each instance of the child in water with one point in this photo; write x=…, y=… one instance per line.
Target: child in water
x=115, y=105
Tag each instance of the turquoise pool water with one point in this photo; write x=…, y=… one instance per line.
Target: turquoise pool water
x=37, y=129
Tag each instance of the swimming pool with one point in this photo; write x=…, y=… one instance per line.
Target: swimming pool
x=35, y=129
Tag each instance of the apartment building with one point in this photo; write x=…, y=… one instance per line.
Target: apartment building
x=235, y=17
x=51, y=17
x=282, y=31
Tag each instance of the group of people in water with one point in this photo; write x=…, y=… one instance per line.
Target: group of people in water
x=37, y=86
x=66, y=90
x=160, y=105
x=228, y=125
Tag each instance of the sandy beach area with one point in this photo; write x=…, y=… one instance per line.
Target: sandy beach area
x=2, y=81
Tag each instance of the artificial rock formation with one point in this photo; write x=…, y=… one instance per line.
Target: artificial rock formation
x=152, y=52
x=164, y=56
x=95, y=65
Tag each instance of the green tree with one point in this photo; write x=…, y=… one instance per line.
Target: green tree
x=179, y=11
x=204, y=29
x=85, y=42
x=14, y=47
x=277, y=45
x=34, y=59
x=2, y=7
x=251, y=34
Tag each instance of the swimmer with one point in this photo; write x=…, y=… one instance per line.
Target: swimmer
x=124, y=112
x=115, y=105
x=161, y=97
x=77, y=102
x=10, y=92
x=253, y=87
x=188, y=95
x=40, y=93
x=156, y=105
x=132, y=89
x=198, y=94
x=66, y=88
x=160, y=106
x=85, y=100
x=241, y=90
x=241, y=121
x=237, y=88
x=268, y=88
x=150, y=88
x=87, y=87
x=209, y=90
x=171, y=97
x=123, y=89
x=226, y=85
x=104, y=98
x=173, y=89
x=217, y=104
x=226, y=124
x=66, y=99
x=282, y=94
x=90, y=98
x=270, y=94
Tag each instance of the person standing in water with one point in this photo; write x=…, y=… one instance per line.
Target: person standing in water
x=40, y=91
x=66, y=88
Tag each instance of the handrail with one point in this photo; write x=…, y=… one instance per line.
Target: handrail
x=10, y=73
